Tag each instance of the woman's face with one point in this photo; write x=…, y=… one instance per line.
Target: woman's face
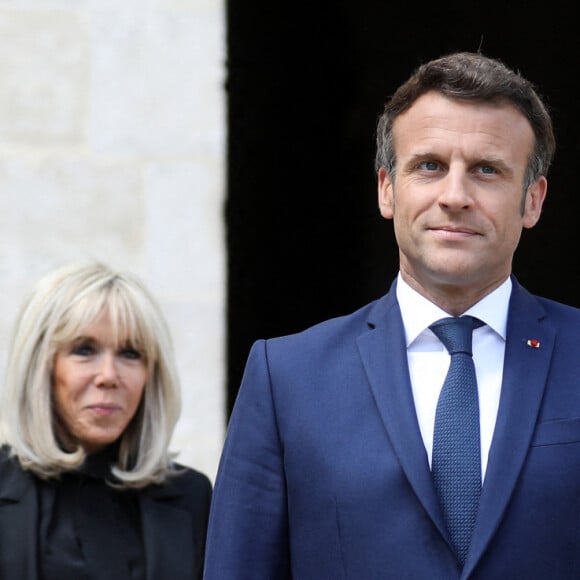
x=97, y=385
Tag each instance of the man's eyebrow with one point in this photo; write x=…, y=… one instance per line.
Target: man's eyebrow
x=421, y=156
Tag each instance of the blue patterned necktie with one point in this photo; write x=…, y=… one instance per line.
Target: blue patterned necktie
x=456, y=461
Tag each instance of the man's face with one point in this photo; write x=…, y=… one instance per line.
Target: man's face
x=456, y=200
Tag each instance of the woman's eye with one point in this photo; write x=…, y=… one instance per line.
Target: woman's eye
x=83, y=349
x=130, y=353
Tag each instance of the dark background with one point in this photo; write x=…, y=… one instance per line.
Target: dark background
x=306, y=83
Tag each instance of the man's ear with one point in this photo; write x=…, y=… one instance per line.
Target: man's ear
x=534, y=201
x=385, y=187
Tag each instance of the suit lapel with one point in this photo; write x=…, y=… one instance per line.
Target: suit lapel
x=18, y=522
x=383, y=352
x=167, y=535
x=524, y=379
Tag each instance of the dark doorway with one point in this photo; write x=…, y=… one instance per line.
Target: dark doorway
x=305, y=85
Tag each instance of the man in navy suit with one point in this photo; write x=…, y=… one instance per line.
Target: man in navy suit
x=326, y=473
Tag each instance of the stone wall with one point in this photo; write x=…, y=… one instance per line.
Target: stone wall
x=112, y=146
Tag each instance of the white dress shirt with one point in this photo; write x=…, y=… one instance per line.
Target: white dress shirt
x=429, y=360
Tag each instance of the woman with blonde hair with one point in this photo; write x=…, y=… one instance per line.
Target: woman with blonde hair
x=88, y=486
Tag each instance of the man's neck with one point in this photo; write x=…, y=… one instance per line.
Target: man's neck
x=452, y=298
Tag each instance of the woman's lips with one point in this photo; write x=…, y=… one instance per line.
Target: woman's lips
x=104, y=408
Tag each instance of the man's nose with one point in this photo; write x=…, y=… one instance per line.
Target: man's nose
x=455, y=190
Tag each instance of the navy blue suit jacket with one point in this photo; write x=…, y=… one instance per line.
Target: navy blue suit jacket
x=324, y=475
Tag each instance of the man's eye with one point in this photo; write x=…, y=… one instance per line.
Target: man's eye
x=428, y=165
x=487, y=169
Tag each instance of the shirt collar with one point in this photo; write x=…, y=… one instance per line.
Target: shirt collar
x=418, y=312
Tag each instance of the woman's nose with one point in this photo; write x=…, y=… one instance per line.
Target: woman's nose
x=107, y=371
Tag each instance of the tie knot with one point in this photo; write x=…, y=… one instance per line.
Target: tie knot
x=455, y=332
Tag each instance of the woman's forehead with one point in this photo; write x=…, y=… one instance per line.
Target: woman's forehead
x=110, y=322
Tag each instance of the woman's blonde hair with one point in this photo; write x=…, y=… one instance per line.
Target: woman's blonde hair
x=61, y=306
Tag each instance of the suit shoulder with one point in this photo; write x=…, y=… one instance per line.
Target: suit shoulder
x=568, y=313
x=4, y=455
x=14, y=481
x=189, y=481
x=8, y=463
x=324, y=344
x=186, y=489
x=354, y=322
